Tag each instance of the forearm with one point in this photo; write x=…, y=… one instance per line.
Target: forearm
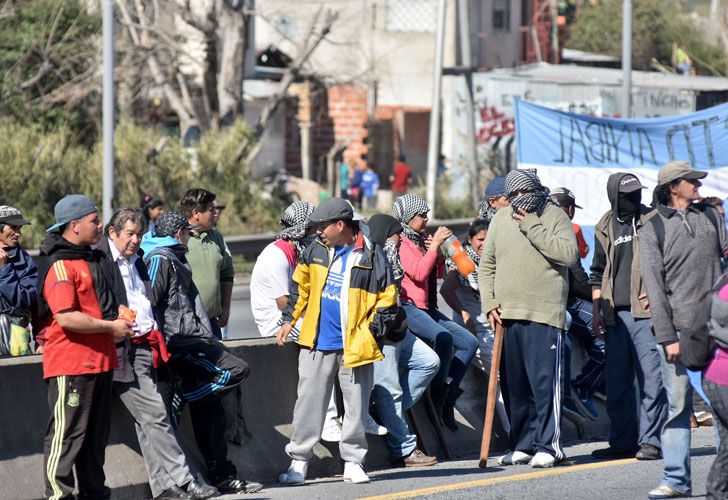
x=557, y=243
x=226, y=294
x=79, y=322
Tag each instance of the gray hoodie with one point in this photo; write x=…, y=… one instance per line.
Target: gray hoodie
x=679, y=274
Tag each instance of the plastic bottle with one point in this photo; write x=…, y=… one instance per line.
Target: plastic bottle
x=453, y=249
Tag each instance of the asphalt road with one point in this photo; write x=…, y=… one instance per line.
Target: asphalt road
x=584, y=478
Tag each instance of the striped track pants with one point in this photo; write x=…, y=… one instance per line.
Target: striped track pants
x=77, y=434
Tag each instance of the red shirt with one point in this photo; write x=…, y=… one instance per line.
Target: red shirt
x=583, y=247
x=401, y=175
x=69, y=285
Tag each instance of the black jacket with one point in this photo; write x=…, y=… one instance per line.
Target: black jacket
x=125, y=372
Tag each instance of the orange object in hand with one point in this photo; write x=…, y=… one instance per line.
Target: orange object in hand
x=126, y=313
x=453, y=249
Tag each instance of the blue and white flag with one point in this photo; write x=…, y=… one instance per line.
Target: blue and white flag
x=580, y=152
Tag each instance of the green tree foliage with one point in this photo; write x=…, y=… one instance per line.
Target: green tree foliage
x=657, y=24
x=40, y=167
x=48, y=60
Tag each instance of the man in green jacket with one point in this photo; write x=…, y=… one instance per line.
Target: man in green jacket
x=209, y=258
x=524, y=285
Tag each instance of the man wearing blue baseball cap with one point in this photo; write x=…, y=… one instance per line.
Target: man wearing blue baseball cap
x=494, y=198
x=82, y=322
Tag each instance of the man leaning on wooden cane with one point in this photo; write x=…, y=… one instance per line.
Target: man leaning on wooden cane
x=524, y=286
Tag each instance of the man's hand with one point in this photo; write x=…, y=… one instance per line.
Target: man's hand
x=469, y=321
x=3, y=257
x=283, y=333
x=644, y=301
x=222, y=320
x=672, y=352
x=597, y=320
x=494, y=317
x=121, y=328
x=520, y=214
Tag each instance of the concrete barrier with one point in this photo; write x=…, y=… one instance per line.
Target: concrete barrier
x=269, y=396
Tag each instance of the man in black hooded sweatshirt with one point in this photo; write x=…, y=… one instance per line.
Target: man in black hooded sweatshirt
x=620, y=303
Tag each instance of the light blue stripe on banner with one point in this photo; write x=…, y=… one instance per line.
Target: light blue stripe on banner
x=560, y=139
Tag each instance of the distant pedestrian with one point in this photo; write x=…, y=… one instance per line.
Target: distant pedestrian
x=682, y=246
x=79, y=354
x=401, y=177
x=523, y=285
x=370, y=186
x=152, y=207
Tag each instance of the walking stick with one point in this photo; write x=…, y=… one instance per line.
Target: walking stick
x=492, y=395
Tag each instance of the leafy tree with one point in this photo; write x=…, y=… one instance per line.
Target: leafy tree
x=656, y=26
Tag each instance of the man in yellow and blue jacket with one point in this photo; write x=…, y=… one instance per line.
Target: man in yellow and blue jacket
x=345, y=287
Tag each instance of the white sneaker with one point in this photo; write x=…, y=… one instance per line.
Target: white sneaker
x=374, y=428
x=353, y=473
x=514, y=458
x=542, y=460
x=331, y=432
x=296, y=473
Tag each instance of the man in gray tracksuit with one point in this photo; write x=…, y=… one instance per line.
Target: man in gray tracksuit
x=682, y=248
x=620, y=303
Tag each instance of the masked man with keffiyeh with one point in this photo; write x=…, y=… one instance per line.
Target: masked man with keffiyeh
x=274, y=268
x=523, y=279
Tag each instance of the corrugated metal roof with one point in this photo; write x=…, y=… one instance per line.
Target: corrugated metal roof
x=572, y=74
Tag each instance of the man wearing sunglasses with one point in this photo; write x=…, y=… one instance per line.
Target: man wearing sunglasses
x=682, y=246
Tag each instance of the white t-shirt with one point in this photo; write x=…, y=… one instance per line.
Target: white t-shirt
x=270, y=279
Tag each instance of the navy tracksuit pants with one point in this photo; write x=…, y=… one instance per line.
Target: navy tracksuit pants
x=532, y=358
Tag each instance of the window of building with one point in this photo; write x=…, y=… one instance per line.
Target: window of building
x=411, y=16
x=501, y=15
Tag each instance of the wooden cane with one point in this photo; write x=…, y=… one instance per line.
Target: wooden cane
x=492, y=395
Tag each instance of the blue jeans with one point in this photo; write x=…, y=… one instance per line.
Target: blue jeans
x=676, y=431
x=632, y=352
x=443, y=334
x=400, y=379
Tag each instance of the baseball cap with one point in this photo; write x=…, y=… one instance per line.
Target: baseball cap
x=565, y=197
x=11, y=215
x=72, y=207
x=629, y=183
x=677, y=169
x=334, y=209
x=168, y=223
x=496, y=187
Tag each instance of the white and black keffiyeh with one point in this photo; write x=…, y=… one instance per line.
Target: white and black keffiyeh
x=526, y=179
x=486, y=211
x=294, y=220
x=405, y=208
x=390, y=248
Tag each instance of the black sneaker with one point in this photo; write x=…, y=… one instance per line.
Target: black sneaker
x=200, y=491
x=235, y=486
x=648, y=452
x=613, y=453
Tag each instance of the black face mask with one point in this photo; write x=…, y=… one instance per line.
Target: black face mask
x=628, y=204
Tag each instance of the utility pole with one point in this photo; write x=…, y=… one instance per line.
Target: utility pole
x=627, y=59
x=433, y=148
x=108, y=109
x=466, y=61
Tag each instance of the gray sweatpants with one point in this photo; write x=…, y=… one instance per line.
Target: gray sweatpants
x=165, y=460
x=316, y=374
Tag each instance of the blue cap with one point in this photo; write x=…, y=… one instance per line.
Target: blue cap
x=496, y=187
x=72, y=207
